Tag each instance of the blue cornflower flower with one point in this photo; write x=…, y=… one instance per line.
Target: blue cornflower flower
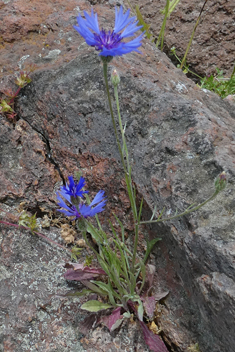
x=74, y=189
x=81, y=210
x=110, y=43
x=99, y=201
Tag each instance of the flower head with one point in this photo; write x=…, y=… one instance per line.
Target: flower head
x=70, y=193
x=74, y=189
x=110, y=43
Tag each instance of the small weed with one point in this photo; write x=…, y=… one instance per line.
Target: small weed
x=8, y=100
x=28, y=221
x=75, y=253
x=219, y=84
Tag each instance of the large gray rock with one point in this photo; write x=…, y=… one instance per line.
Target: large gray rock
x=179, y=137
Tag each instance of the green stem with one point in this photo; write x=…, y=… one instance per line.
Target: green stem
x=128, y=173
x=181, y=214
x=193, y=73
x=105, y=70
x=125, y=163
x=129, y=182
x=162, y=31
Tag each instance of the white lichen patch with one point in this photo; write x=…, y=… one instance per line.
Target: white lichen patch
x=53, y=54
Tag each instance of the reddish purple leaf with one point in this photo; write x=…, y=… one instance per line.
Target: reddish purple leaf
x=78, y=275
x=153, y=341
x=110, y=320
x=79, y=272
x=149, y=304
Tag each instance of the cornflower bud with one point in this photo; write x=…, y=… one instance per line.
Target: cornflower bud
x=220, y=182
x=115, y=78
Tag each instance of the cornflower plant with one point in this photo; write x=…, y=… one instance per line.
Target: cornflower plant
x=123, y=280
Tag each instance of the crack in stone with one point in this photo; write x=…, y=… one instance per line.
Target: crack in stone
x=49, y=152
x=49, y=156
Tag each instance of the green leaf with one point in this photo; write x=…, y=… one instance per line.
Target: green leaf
x=143, y=272
x=94, y=288
x=127, y=315
x=94, y=233
x=95, y=306
x=142, y=23
x=108, y=289
x=140, y=209
x=150, y=247
x=84, y=292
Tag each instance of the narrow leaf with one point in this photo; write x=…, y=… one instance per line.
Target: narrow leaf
x=94, y=233
x=84, y=292
x=94, y=288
x=109, y=290
x=150, y=247
x=79, y=272
x=95, y=306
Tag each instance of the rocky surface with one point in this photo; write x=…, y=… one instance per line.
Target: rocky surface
x=214, y=41
x=180, y=138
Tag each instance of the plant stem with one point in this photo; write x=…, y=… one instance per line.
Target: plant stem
x=162, y=31
x=105, y=70
x=128, y=181
x=126, y=166
x=192, y=35
x=181, y=214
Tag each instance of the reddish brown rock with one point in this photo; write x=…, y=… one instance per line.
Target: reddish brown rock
x=214, y=41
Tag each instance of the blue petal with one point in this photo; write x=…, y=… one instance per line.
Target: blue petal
x=64, y=194
x=121, y=21
x=123, y=48
x=66, y=213
x=92, y=21
x=79, y=187
x=71, y=182
x=62, y=203
x=84, y=31
x=98, y=208
x=85, y=210
x=132, y=45
x=98, y=198
x=130, y=30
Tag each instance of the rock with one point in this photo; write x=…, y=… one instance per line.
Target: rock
x=179, y=137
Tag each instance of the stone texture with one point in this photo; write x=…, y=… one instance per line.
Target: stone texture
x=180, y=138
x=214, y=41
